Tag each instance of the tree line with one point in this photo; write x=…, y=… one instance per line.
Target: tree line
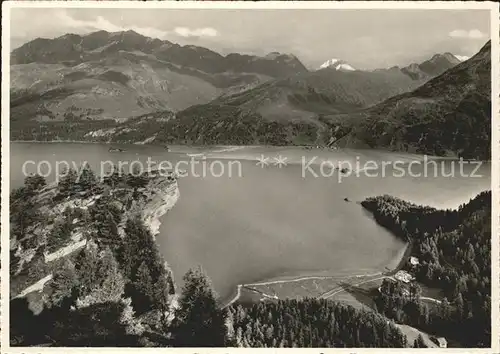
x=454, y=251
x=311, y=323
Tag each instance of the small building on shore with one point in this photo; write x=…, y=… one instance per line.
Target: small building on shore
x=403, y=276
x=414, y=261
x=440, y=341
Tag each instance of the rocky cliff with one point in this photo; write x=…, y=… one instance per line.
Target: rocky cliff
x=51, y=238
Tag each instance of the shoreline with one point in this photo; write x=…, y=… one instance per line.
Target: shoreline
x=232, y=148
x=162, y=202
x=403, y=256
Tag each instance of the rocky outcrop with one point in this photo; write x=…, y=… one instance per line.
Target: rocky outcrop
x=159, y=197
x=149, y=203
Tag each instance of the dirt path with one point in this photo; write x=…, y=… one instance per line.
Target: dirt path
x=235, y=298
x=340, y=289
x=326, y=295
x=379, y=275
x=284, y=281
x=431, y=299
x=311, y=278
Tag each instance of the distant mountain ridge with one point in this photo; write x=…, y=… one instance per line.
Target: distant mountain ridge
x=124, y=87
x=426, y=70
x=118, y=75
x=72, y=49
x=298, y=108
x=429, y=68
x=449, y=114
x=437, y=65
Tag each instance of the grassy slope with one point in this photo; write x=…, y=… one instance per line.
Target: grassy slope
x=120, y=86
x=284, y=111
x=324, y=91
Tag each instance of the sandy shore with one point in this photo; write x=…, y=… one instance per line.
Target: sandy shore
x=392, y=267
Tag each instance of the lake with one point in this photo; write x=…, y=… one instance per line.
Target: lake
x=272, y=222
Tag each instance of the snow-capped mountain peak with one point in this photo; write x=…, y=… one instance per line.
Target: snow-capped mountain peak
x=328, y=63
x=461, y=57
x=336, y=64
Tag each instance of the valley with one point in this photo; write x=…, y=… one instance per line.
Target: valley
x=250, y=179
x=126, y=88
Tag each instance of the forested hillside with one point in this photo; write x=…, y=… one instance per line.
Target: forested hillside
x=454, y=251
x=311, y=323
x=450, y=114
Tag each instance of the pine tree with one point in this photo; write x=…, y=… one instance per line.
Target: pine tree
x=139, y=245
x=60, y=234
x=112, y=286
x=459, y=303
x=23, y=211
x=34, y=182
x=116, y=177
x=419, y=342
x=106, y=216
x=127, y=318
x=169, y=275
x=67, y=182
x=144, y=282
x=137, y=178
x=161, y=292
x=231, y=340
x=88, y=268
x=239, y=337
x=113, y=283
x=87, y=180
x=64, y=281
x=199, y=321
x=143, y=290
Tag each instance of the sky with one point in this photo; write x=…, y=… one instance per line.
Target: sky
x=366, y=39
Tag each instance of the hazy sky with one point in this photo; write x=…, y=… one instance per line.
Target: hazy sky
x=365, y=38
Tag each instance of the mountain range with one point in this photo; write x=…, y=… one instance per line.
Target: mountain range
x=72, y=49
x=448, y=115
x=126, y=87
x=126, y=74
x=430, y=68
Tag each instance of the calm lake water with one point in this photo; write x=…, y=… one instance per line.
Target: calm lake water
x=273, y=222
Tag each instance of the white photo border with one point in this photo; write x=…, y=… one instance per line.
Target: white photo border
x=493, y=7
